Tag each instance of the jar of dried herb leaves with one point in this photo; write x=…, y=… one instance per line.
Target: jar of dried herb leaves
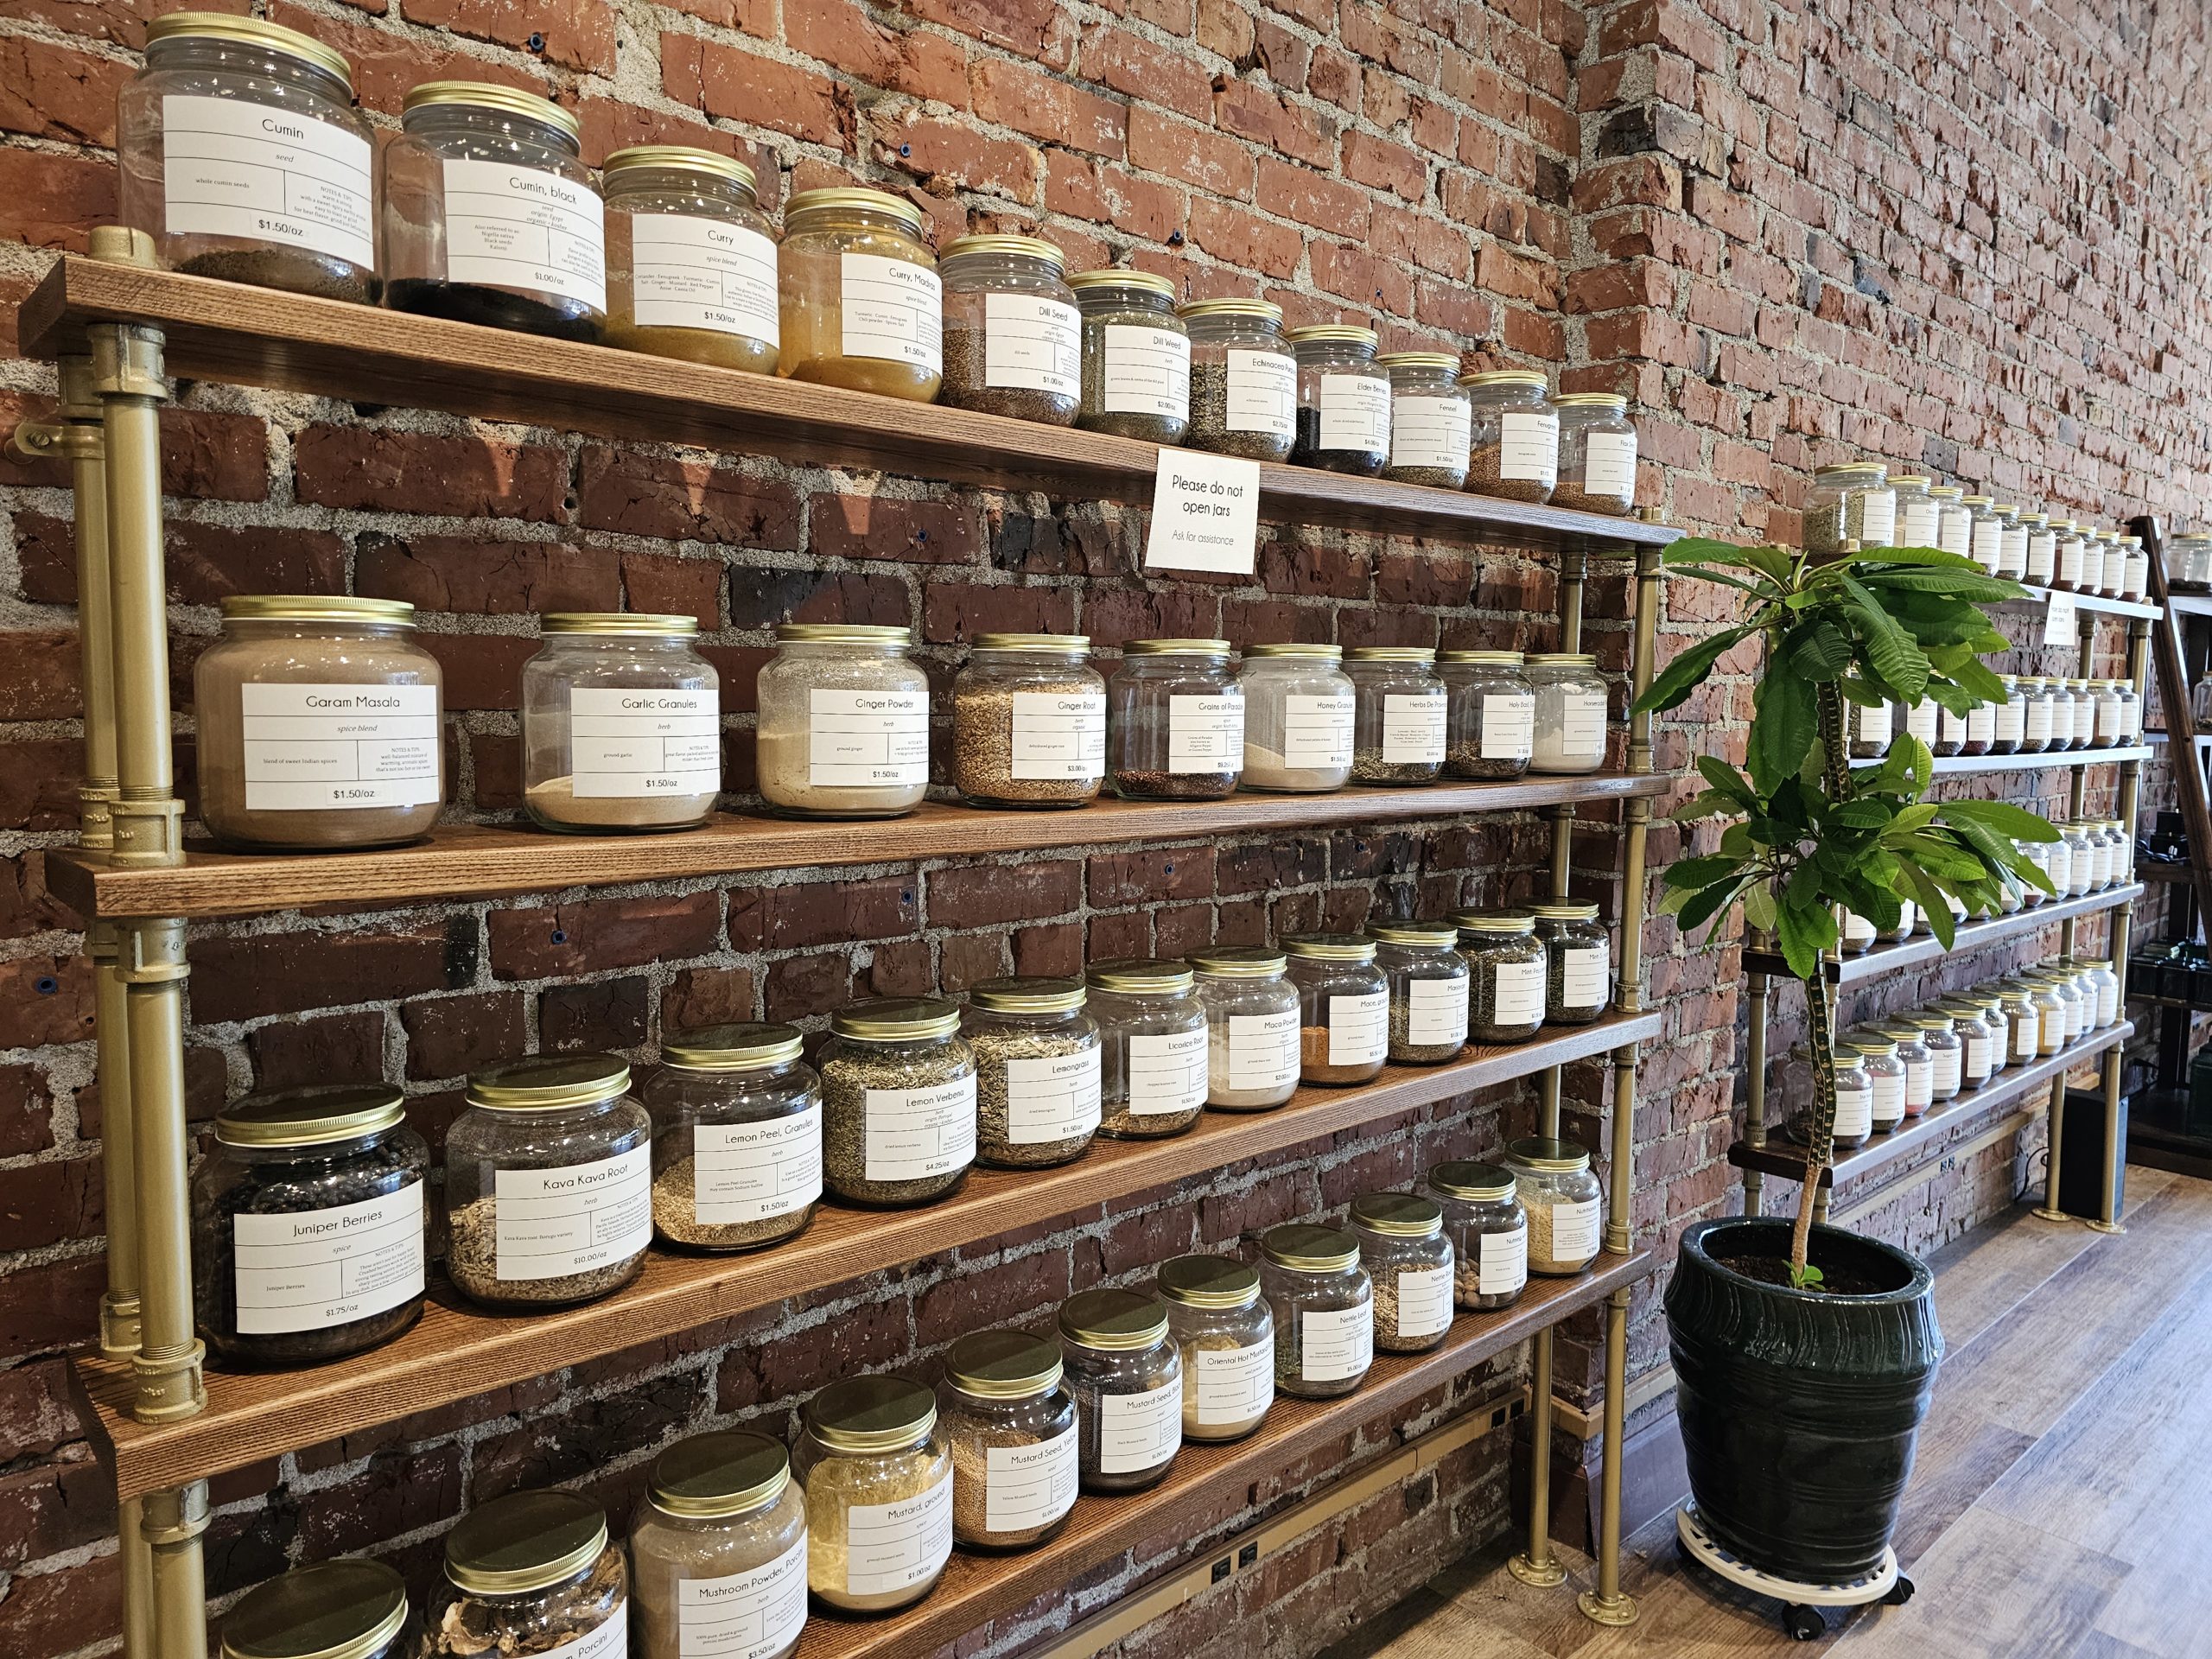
x=1244, y=379
x=1409, y=1263
x=1252, y=1025
x=1136, y=356
x=1509, y=968
x=737, y=1137
x=1226, y=1334
x=1579, y=982
x=1175, y=721
x=1566, y=1205
x=532, y=1572
x=899, y=1102
x=1323, y=1306
x=1152, y=1035
x=1029, y=721
x=1297, y=718
x=1013, y=337
x=1516, y=436
x=347, y=1609
x=1037, y=1071
x=1012, y=1429
x=877, y=1472
x=1399, y=718
x=1852, y=502
x=1489, y=722
x=1343, y=399
x=718, y=1551
x=1429, y=984
x=1488, y=1226
x=1430, y=419
x=1126, y=1375
x=1345, y=1007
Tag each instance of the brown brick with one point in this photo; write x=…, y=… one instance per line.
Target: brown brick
x=707, y=996
x=980, y=895
x=762, y=596
x=451, y=1036
x=49, y=1202
x=595, y=935
x=373, y=468
x=576, y=33
x=722, y=81
x=240, y=977
x=497, y=578
x=879, y=527
x=45, y=1000
x=673, y=500
x=1151, y=875
x=601, y=1014
x=336, y=1048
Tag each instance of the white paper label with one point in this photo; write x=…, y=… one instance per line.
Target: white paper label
x=1148, y=372
x=634, y=743
x=1854, y=1111
x=1335, y=1343
x=1950, y=727
x=1529, y=446
x=1054, y=1098
x=916, y=1133
x=1520, y=993
x=1317, y=731
x=1059, y=735
x=1874, y=724
x=2058, y=865
x=747, y=1615
x=1889, y=1097
x=2092, y=567
x=1957, y=534
x=2024, y=1036
x=1424, y=1301
x=2012, y=719
x=879, y=738
x=2042, y=556
x=1413, y=727
x=894, y=1547
x=2062, y=722
x=1919, y=1084
x=1982, y=723
x=2058, y=620
x=1509, y=725
x=1263, y=1050
x=1436, y=1011
x=610, y=1640
x=2038, y=719
x=1574, y=1229
x=2013, y=560
x=1205, y=733
x=1356, y=413
x=1856, y=927
x=1205, y=514
x=1920, y=721
x=520, y=227
x=1947, y=1062
x=1262, y=393
x=1583, y=735
x=1430, y=432
x=751, y=1172
x=1140, y=1430
x=1988, y=544
x=311, y=1269
x=1502, y=1262
x=2111, y=715
x=893, y=309
x=236, y=167
x=1976, y=1044
x=1608, y=464
x=319, y=748
x=1921, y=521
x=1026, y=1486
x=1359, y=1028
x=2069, y=560
x=1583, y=970
x=1234, y=1384
x=1167, y=1074
x=1032, y=343
x=551, y=1223
x=687, y=271
x=1878, y=518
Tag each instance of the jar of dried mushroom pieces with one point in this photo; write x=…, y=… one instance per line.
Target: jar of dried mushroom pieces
x=1297, y=718
x=1596, y=452
x=1011, y=1426
x=899, y=1102
x=690, y=258
x=1489, y=722
x=1489, y=1230
x=1566, y=1205
x=1126, y=1375
x=532, y=1572
x=1226, y=1334
x=878, y=1477
x=548, y=1182
x=1252, y=1023
x=1175, y=721
x=718, y=1551
x=1399, y=710
x=1152, y=1035
x=1429, y=982
x=349, y=1609
x=1343, y=399
x=1037, y=1071
x=1852, y=502
x=1409, y=1261
x=1344, y=1002
x=737, y=1137
x=861, y=304
x=1431, y=419
x=1508, y=966
x=844, y=722
x=1136, y=356
x=1516, y=436
x=1323, y=1306
x=1029, y=721
x=1244, y=379
x=1013, y=337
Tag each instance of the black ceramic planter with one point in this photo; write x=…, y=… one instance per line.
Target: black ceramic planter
x=1799, y=1408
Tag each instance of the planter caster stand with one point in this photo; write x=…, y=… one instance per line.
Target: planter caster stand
x=1802, y=1603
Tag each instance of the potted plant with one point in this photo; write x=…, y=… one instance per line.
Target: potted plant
x=1804, y=1355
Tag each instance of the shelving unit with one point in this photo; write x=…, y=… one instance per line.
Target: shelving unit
x=118, y=331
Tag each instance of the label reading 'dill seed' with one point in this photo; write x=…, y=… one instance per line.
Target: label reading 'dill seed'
x=317, y=748
x=1033, y=344
x=236, y=167
x=633, y=743
x=746, y=1615
x=520, y=227
x=311, y=1269
x=690, y=272
x=551, y=1223
x=916, y=1133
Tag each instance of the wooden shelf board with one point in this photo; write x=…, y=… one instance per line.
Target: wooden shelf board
x=1783, y=1158
x=1953, y=765
x=458, y=1349
x=2200, y=738
x=2137, y=608
x=1921, y=949
x=2190, y=604
x=977, y=1589
x=253, y=336
x=2146, y=871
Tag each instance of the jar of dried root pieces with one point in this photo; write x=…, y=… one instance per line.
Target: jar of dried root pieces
x=1029, y=722
x=532, y=1572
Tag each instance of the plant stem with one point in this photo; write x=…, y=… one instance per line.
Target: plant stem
x=1820, y=1006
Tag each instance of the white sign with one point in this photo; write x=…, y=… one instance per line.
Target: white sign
x=523, y=228
x=2058, y=620
x=1205, y=514
x=549, y=1223
x=311, y=1269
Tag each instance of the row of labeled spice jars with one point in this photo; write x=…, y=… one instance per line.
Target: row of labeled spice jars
x=2038, y=715
x=1548, y=963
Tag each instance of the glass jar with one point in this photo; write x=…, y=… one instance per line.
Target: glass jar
x=1343, y=399
x=862, y=305
x=2105, y=984
x=1856, y=935
x=1126, y=1373
x=1852, y=502
x=1225, y=1335
x=1870, y=729
x=899, y=1102
x=1514, y=433
x=1566, y=1205
x=1509, y=972
x=559, y=1143
x=844, y=722
x=1324, y=1306
x=621, y=724
x=718, y=1550
x=690, y=258
x=1488, y=1226
x=1886, y=1074
x=2073, y=712
x=737, y=1137
x=1297, y=718
x=351, y=1608
x=2078, y=1012
x=1345, y=1007
x=1244, y=379
x=1981, y=728
x=253, y=109
x=2081, y=1012
x=2036, y=719
x=1429, y=982
x=1136, y=356
x=1012, y=1429
x=2052, y=1015
x=1431, y=420
x=2112, y=579
x=531, y=1572
x=1954, y=524
x=2189, y=562
x=1985, y=545
x=1490, y=723
x=1410, y=1265
x=1991, y=1007
x=1596, y=452
x=1175, y=721
x=1979, y=1045
x=2024, y=1018
x=1399, y=704
x=2042, y=549
x=1570, y=718
x=1919, y=1062
x=2093, y=831
x=2012, y=546
x=877, y=1472
x=2123, y=854
x=2076, y=836
x=1012, y=336
x=2112, y=713
x=1578, y=981
x=1037, y=1071
x=318, y=725
x=1152, y=1063
x=2011, y=716
x=1918, y=521
x=2072, y=553
x=490, y=216
x=1922, y=721
x=1029, y=722
x=309, y=1228
x=1253, y=1045
x=1854, y=1096
x=2131, y=715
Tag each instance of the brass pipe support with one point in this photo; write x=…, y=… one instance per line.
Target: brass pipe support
x=152, y=967
x=1607, y=1605
x=1535, y=1565
x=172, y=1522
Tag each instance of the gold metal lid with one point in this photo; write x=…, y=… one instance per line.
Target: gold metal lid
x=896, y=1019
x=2036, y=520
x=1150, y=281
x=713, y=1477
x=1868, y=1045
x=1141, y=977
x=1019, y=247
x=1398, y=1215
x=1304, y=1248
x=628, y=624
x=310, y=1117
x=1290, y=648
x=1921, y=479
x=874, y=201
x=1488, y=658
x=1510, y=920
x=1564, y=910
x=1547, y=1156
x=1065, y=645
x=1946, y=492
x=1391, y=654
x=2005, y=509
x=871, y=1413
x=1612, y=400
x=251, y=31
x=1177, y=648
x=1113, y=1321
x=1980, y=500
x=1560, y=659
x=1319, y=333
x=1330, y=947
x=1003, y=1364
x=1419, y=360
x=1264, y=310
x=684, y=157
x=1209, y=1281
x=1436, y=935
x=740, y=1047
x=844, y=634
x=1239, y=962
x=2095, y=962
x=344, y=1609
x=1476, y=1183
x=547, y=1082
x=525, y=1541
x=1928, y=1021
x=317, y=608
x=1877, y=470
x=1505, y=377
x=1021, y=995
x=483, y=95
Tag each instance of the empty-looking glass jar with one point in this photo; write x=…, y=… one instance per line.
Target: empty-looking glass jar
x=1175, y=721
x=1431, y=420
x=878, y=1478
x=1244, y=379
x=737, y=1137
x=718, y=1550
x=1429, y=983
x=1324, y=1306
x=1152, y=1031
x=1126, y=1373
x=1226, y=1335
x=1596, y=452
x=621, y=724
x=1013, y=337
x=1297, y=718
x=1400, y=715
x=1566, y=1204
x=1489, y=1230
x=1029, y=721
x=354, y=1609
x=1954, y=524
x=1343, y=399
x=1012, y=1429
x=899, y=1102
x=863, y=306
x=690, y=258
x=1515, y=435
x=532, y=1572
x=844, y=723
x=1252, y=1023
x=1409, y=1261
x=1491, y=718
x=1136, y=356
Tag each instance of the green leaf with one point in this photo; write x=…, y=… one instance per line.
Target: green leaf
x=1709, y=904
x=1759, y=905
x=1912, y=818
x=1803, y=933
x=1896, y=657
x=2003, y=816
x=1728, y=781
x=1687, y=672
x=1783, y=726
x=1690, y=550
x=1979, y=588
x=1929, y=897
x=1703, y=804
x=1820, y=650
x=1777, y=564
x=1702, y=872
x=1807, y=1277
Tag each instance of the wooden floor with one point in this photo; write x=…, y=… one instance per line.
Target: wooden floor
x=2061, y=1507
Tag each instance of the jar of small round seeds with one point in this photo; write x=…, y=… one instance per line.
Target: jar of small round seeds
x=1029, y=722
x=1429, y=983
x=1508, y=966
x=1431, y=419
x=1515, y=452
x=1136, y=356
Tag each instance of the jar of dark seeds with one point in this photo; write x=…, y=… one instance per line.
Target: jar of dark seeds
x=1029, y=721
x=308, y=1228
x=1013, y=338
x=1012, y=1429
x=1323, y=1306
x=1399, y=714
x=899, y=1102
x=1578, y=981
x=1037, y=1071
x=1175, y=721
x=1126, y=1375
x=548, y=1182
x=1489, y=1230
x=1226, y=1333
x=1516, y=436
x=1509, y=965
x=1345, y=1007
x=1343, y=399
x=354, y=1609
x=531, y=1572
x=1853, y=502
x=1244, y=379
x=1151, y=1033
x=1566, y=1205
x=1136, y=356
x=1490, y=722
x=1429, y=982
x=1596, y=452
x=1409, y=1260
x=1430, y=419
x=737, y=1137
